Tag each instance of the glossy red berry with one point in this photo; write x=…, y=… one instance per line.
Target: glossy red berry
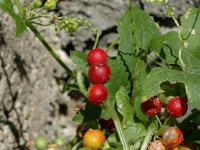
x=151, y=107
x=172, y=137
x=97, y=94
x=94, y=139
x=156, y=145
x=99, y=73
x=177, y=107
x=97, y=55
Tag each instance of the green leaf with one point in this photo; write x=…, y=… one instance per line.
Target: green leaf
x=189, y=62
x=7, y=6
x=171, y=48
x=90, y=113
x=149, y=134
x=124, y=107
x=119, y=77
x=130, y=134
x=167, y=48
x=126, y=45
x=190, y=25
x=137, y=88
x=136, y=29
x=145, y=29
x=79, y=59
x=157, y=76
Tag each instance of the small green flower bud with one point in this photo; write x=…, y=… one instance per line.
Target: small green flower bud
x=35, y=4
x=50, y=4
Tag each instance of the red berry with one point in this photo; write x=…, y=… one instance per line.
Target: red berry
x=97, y=94
x=107, y=124
x=172, y=137
x=156, y=145
x=94, y=139
x=99, y=73
x=97, y=55
x=151, y=107
x=177, y=107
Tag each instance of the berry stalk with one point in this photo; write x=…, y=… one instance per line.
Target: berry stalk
x=48, y=47
x=118, y=126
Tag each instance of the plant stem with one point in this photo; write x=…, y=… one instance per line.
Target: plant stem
x=20, y=8
x=148, y=136
x=115, y=118
x=159, y=132
x=97, y=39
x=80, y=82
x=159, y=121
x=51, y=51
x=112, y=44
x=40, y=24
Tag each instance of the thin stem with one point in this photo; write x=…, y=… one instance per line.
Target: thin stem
x=97, y=39
x=80, y=81
x=118, y=126
x=112, y=44
x=40, y=24
x=159, y=132
x=148, y=136
x=51, y=51
x=159, y=121
x=131, y=4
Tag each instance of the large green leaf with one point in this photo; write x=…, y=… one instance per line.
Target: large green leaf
x=136, y=29
x=124, y=107
x=137, y=87
x=119, y=77
x=190, y=24
x=157, y=76
x=79, y=59
x=132, y=134
x=7, y=6
x=126, y=45
x=171, y=47
x=145, y=29
x=167, y=46
x=189, y=62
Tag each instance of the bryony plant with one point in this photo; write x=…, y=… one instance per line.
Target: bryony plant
x=125, y=90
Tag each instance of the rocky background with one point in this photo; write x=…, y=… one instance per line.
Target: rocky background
x=30, y=101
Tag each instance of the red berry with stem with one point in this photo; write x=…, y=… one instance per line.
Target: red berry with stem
x=97, y=55
x=172, y=137
x=177, y=107
x=99, y=73
x=97, y=94
x=151, y=107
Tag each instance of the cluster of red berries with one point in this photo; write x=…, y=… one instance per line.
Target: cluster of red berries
x=177, y=107
x=99, y=73
x=172, y=137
